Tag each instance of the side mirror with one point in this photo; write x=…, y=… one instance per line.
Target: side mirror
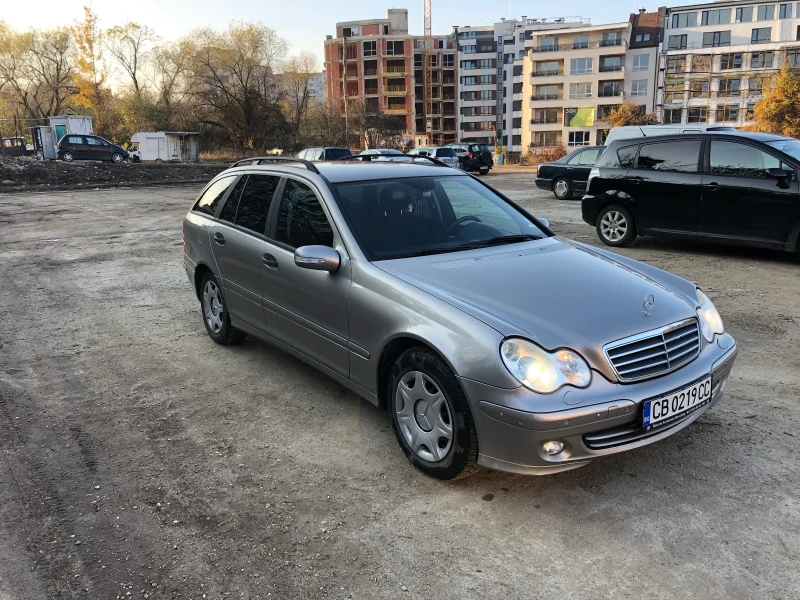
x=544, y=222
x=317, y=258
x=775, y=173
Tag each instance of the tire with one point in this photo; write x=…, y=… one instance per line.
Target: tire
x=67, y=156
x=117, y=158
x=215, y=313
x=421, y=379
x=562, y=188
x=486, y=159
x=615, y=226
x=483, y=171
x=159, y=161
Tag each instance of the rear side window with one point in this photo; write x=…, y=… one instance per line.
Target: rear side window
x=301, y=219
x=255, y=202
x=679, y=156
x=228, y=212
x=623, y=158
x=588, y=157
x=211, y=198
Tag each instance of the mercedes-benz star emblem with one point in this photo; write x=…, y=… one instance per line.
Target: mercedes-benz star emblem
x=648, y=304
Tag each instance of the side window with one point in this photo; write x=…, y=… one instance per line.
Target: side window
x=318, y=154
x=627, y=156
x=211, y=198
x=75, y=139
x=588, y=158
x=228, y=212
x=302, y=154
x=255, y=202
x=93, y=141
x=574, y=160
x=680, y=156
x=740, y=160
x=301, y=220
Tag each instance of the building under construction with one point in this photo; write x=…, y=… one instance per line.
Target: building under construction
x=375, y=65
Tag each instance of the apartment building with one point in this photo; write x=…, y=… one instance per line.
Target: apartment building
x=378, y=63
x=716, y=56
x=317, y=89
x=572, y=79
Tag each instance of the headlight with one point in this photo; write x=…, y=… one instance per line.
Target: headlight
x=542, y=371
x=710, y=321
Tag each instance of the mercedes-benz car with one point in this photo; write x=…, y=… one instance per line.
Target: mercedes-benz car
x=488, y=339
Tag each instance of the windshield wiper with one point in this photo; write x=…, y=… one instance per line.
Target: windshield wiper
x=497, y=241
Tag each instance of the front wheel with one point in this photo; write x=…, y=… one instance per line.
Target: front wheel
x=562, y=188
x=615, y=226
x=215, y=314
x=431, y=418
x=117, y=158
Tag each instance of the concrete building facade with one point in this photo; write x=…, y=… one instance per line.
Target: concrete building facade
x=716, y=56
x=376, y=62
x=317, y=89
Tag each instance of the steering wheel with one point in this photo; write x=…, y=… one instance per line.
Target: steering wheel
x=457, y=222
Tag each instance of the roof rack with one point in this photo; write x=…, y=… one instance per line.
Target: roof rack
x=257, y=160
x=393, y=158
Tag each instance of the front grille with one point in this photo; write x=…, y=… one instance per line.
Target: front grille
x=654, y=352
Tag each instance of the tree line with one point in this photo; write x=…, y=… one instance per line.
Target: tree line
x=239, y=87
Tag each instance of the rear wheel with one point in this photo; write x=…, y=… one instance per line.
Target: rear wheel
x=615, y=226
x=562, y=188
x=431, y=416
x=67, y=156
x=215, y=314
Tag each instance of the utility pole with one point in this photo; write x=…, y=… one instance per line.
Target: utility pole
x=428, y=66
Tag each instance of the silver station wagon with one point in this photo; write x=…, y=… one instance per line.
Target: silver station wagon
x=489, y=340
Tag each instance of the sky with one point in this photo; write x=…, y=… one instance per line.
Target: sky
x=304, y=23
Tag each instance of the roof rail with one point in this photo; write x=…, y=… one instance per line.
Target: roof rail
x=257, y=160
x=393, y=158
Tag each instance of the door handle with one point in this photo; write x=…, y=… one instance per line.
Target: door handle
x=219, y=238
x=270, y=261
x=712, y=187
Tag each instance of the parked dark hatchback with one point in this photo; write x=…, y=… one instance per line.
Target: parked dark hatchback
x=568, y=175
x=739, y=188
x=89, y=147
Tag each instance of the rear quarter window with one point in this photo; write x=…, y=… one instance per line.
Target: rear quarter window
x=211, y=198
x=622, y=158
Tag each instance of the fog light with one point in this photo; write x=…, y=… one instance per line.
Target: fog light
x=553, y=448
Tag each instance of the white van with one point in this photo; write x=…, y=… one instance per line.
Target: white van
x=637, y=131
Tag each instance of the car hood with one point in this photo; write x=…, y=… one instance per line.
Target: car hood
x=555, y=292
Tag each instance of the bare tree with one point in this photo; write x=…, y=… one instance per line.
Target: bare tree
x=127, y=44
x=169, y=70
x=299, y=68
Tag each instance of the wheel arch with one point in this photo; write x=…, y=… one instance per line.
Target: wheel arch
x=200, y=272
x=606, y=202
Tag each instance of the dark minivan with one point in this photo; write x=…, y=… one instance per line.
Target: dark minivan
x=734, y=187
x=89, y=147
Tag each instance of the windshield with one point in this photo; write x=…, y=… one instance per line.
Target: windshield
x=445, y=152
x=790, y=147
x=430, y=215
x=334, y=153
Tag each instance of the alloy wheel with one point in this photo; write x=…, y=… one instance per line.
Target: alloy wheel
x=561, y=188
x=213, y=306
x=614, y=226
x=424, y=416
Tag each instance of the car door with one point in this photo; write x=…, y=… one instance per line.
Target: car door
x=578, y=167
x=78, y=146
x=741, y=201
x=94, y=149
x=306, y=309
x=239, y=240
x=666, y=185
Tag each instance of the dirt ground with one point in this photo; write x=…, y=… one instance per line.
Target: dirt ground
x=140, y=460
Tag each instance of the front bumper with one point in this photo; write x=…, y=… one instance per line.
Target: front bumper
x=512, y=440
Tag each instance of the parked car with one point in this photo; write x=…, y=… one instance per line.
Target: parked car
x=381, y=152
x=735, y=187
x=445, y=154
x=89, y=147
x=568, y=175
x=489, y=340
x=322, y=154
x=473, y=157
x=13, y=146
x=638, y=131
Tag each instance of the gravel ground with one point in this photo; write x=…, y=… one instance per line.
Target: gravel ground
x=140, y=460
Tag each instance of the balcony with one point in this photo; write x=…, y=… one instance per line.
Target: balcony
x=579, y=46
x=728, y=93
x=397, y=109
x=546, y=73
x=610, y=68
x=537, y=97
x=371, y=90
x=610, y=93
x=395, y=70
x=370, y=72
x=395, y=90
x=448, y=81
x=545, y=121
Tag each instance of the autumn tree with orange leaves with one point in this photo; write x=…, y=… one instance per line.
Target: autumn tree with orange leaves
x=90, y=72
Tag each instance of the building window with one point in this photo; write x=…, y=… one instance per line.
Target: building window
x=580, y=41
x=395, y=48
x=521, y=54
x=545, y=138
x=760, y=60
x=766, y=12
x=699, y=89
x=720, y=16
x=744, y=14
x=468, y=65
x=448, y=60
x=677, y=42
x=499, y=87
x=761, y=35
x=712, y=39
x=697, y=115
x=676, y=64
x=750, y=111
x=684, y=20
x=701, y=63
x=727, y=112
x=610, y=89
x=673, y=116
x=793, y=58
x=465, y=35
x=755, y=86
x=731, y=61
x=639, y=87
x=642, y=37
x=349, y=31
x=487, y=79
x=578, y=138
x=370, y=49
x=580, y=90
x=579, y=66
x=471, y=80
x=730, y=87
x=499, y=40
x=468, y=49
x=487, y=95
x=500, y=57
x=785, y=11
x=641, y=62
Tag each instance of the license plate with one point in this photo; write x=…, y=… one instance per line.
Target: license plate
x=672, y=407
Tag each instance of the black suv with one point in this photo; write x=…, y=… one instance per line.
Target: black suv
x=473, y=157
x=319, y=154
x=89, y=147
x=736, y=187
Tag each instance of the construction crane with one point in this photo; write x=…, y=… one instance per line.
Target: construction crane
x=428, y=73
